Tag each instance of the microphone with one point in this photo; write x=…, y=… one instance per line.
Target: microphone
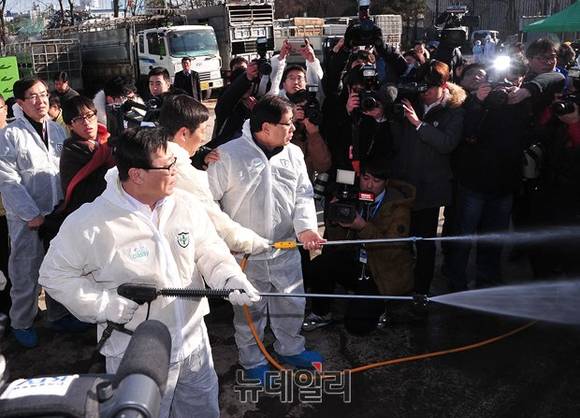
x=142, y=375
x=389, y=93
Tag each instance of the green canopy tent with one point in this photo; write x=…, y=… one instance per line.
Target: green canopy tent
x=567, y=20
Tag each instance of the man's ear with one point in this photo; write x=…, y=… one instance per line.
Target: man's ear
x=136, y=176
x=181, y=134
x=266, y=128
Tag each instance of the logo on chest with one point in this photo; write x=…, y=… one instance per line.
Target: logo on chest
x=140, y=253
x=183, y=239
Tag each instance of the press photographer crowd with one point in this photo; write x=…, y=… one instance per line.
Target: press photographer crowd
x=123, y=188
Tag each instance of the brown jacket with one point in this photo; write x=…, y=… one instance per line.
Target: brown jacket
x=391, y=265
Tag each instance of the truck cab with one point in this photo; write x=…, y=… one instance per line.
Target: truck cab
x=166, y=46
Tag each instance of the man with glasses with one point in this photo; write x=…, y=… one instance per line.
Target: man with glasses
x=141, y=230
x=262, y=183
x=30, y=187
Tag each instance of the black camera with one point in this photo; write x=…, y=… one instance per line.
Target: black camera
x=349, y=199
x=498, y=96
x=264, y=66
x=453, y=25
x=409, y=91
x=368, y=96
x=344, y=209
x=565, y=105
x=309, y=103
x=363, y=32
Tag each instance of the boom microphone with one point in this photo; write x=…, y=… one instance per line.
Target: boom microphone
x=142, y=374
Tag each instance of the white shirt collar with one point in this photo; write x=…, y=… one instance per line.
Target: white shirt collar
x=142, y=207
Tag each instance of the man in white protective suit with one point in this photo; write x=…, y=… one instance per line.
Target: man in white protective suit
x=30, y=150
x=141, y=231
x=186, y=120
x=261, y=181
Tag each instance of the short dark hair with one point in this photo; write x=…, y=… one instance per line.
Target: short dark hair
x=74, y=106
x=294, y=67
x=471, y=67
x=268, y=109
x=54, y=100
x=159, y=71
x=61, y=76
x=119, y=86
x=20, y=86
x=185, y=59
x=181, y=110
x=237, y=61
x=135, y=146
x=377, y=167
x=541, y=46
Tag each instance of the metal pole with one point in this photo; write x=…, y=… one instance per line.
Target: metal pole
x=333, y=296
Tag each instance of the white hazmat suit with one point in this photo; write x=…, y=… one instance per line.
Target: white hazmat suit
x=112, y=241
x=194, y=181
x=30, y=187
x=274, y=198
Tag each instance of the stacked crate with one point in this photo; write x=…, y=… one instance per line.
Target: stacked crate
x=392, y=28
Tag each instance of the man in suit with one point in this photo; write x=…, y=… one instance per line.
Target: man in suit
x=188, y=80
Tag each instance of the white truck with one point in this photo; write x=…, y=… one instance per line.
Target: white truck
x=132, y=46
x=166, y=46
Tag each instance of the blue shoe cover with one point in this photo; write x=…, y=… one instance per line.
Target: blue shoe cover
x=26, y=337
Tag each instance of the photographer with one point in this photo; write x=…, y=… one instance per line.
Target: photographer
x=234, y=105
x=487, y=168
x=108, y=101
x=423, y=142
x=557, y=201
x=390, y=266
x=307, y=119
x=291, y=80
x=358, y=123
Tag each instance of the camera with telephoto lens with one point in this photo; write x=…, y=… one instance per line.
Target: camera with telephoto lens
x=565, y=105
x=348, y=199
x=409, y=91
x=264, y=66
x=368, y=96
x=363, y=32
x=309, y=103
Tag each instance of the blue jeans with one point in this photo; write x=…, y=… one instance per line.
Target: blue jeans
x=478, y=212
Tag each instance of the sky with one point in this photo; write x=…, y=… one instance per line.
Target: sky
x=24, y=5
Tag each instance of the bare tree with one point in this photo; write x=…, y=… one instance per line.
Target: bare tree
x=116, y=8
x=2, y=24
x=61, y=13
x=71, y=5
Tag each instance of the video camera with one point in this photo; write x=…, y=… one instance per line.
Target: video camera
x=453, y=25
x=134, y=391
x=134, y=113
x=565, y=105
x=363, y=32
x=308, y=101
x=264, y=66
x=349, y=199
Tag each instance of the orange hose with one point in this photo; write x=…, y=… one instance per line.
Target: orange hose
x=384, y=363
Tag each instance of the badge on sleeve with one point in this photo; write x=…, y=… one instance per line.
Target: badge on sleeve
x=183, y=239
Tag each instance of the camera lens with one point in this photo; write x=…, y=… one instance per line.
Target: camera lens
x=368, y=103
x=563, y=108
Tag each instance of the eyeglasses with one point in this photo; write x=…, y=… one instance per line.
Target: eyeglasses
x=546, y=58
x=167, y=167
x=36, y=97
x=88, y=117
x=288, y=124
